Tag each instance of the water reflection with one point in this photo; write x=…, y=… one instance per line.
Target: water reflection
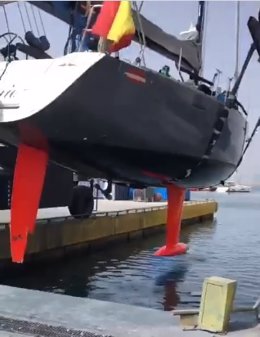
x=127, y=273
x=168, y=280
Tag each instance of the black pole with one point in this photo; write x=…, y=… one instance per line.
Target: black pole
x=252, y=136
x=254, y=29
x=201, y=20
x=200, y=29
x=244, y=67
x=248, y=143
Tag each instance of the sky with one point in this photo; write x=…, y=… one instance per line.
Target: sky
x=174, y=17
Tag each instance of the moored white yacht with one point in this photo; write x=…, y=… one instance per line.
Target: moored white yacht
x=239, y=188
x=221, y=189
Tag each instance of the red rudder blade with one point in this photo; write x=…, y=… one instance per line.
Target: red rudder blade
x=29, y=176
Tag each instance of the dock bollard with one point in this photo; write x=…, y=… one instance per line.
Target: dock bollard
x=216, y=304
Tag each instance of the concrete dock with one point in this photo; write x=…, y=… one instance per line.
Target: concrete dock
x=58, y=234
x=30, y=313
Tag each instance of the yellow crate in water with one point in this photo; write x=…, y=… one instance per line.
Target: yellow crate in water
x=216, y=304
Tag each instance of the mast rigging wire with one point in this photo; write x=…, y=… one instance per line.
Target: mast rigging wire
x=8, y=49
x=21, y=15
x=41, y=21
x=141, y=35
x=6, y=19
x=28, y=17
x=35, y=21
x=140, y=7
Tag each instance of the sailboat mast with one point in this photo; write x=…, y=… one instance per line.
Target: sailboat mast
x=200, y=28
x=237, y=40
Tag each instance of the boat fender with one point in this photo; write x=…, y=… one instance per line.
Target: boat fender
x=205, y=88
x=82, y=202
x=45, y=44
x=32, y=40
x=217, y=130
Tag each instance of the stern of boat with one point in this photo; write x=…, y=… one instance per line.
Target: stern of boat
x=28, y=86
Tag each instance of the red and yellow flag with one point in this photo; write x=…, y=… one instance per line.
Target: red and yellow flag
x=115, y=23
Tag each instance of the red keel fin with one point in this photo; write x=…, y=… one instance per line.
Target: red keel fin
x=29, y=175
x=175, y=205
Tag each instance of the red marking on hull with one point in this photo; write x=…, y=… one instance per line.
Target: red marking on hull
x=136, y=75
x=29, y=175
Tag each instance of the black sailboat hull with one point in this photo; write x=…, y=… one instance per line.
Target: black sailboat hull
x=136, y=126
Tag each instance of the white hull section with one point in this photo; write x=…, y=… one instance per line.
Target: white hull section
x=28, y=86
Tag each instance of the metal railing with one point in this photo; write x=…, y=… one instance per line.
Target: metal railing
x=87, y=30
x=96, y=214
x=99, y=214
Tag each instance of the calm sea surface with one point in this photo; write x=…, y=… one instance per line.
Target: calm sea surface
x=129, y=273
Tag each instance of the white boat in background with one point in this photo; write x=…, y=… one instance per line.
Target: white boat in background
x=221, y=189
x=239, y=188
x=232, y=186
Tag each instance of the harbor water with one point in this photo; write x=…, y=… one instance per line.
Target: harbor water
x=129, y=273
